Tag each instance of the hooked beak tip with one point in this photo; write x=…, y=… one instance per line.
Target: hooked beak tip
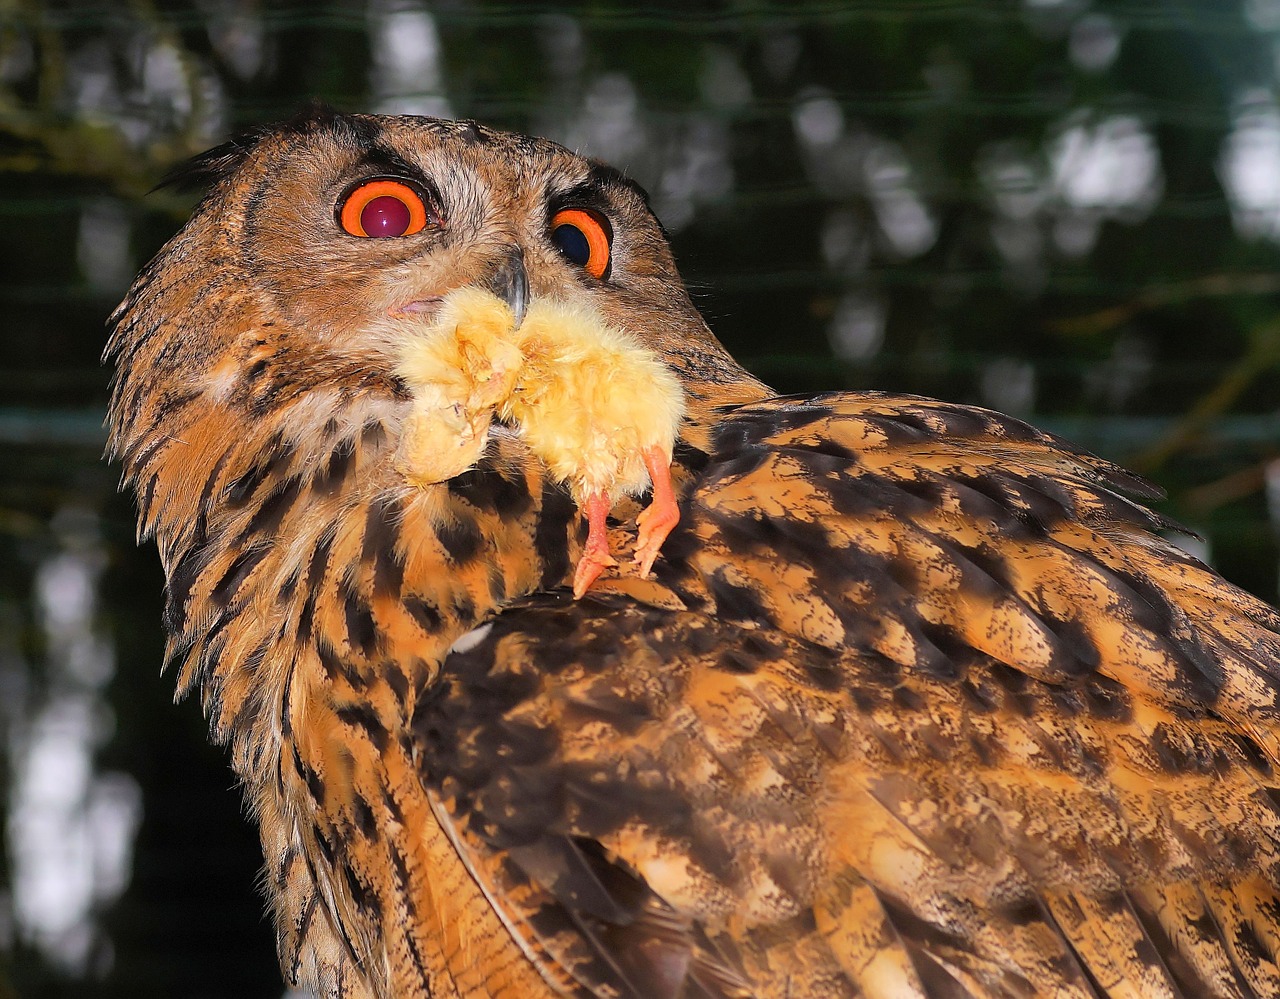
x=510, y=282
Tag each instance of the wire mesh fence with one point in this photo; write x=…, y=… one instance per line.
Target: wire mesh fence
x=1063, y=209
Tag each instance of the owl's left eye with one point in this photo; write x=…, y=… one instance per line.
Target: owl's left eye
x=384, y=207
x=584, y=237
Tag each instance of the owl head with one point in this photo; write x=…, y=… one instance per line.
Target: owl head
x=317, y=237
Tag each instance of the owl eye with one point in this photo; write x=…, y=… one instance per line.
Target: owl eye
x=383, y=207
x=583, y=236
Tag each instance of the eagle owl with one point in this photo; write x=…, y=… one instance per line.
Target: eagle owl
x=917, y=700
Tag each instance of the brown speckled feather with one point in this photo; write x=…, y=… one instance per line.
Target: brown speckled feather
x=917, y=703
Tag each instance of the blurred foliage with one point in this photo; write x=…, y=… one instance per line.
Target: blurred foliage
x=1065, y=209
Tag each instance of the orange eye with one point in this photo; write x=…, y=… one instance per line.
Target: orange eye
x=383, y=208
x=583, y=236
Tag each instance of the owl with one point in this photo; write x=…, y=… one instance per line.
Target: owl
x=916, y=701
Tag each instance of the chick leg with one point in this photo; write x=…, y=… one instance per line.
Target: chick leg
x=661, y=515
x=595, y=555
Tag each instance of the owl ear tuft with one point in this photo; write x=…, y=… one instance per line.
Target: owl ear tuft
x=212, y=165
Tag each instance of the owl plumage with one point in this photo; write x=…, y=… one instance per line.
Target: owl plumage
x=917, y=701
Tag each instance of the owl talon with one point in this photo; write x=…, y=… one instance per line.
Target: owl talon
x=661, y=515
x=595, y=554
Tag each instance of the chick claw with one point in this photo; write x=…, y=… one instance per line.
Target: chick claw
x=595, y=554
x=655, y=523
x=661, y=515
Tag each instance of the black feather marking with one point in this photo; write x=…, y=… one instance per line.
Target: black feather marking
x=1173, y=752
x=314, y=782
x=271, y=513
x=330, y=661
x=954, y=654
x=365, y=718
x=1074, y=652
x=488, y=489
x=1251, y=946
x=908, y=699
x=373, y=436
x=426, y=614
x=1108, y=699
x=1068, y=700
x=984, y=498
x=551, y=533
x=302, y=928
x=182, y=580
x=365, y=899
x=1037, y=503
x=397, y=681
x=903, y=426
x=817, y=460
x=1122, y=480
x=868, y=494
x=331, y=478
x=964, y=421
x=461, y=538
x=242, y=488
x=215, y=641
x=737, y=603
x=991, y=562
x=252, y=704
x=392, y=806
x=285, y=595
x=464, y=608
x=401, y=867
x=979, y=695
x=1158, y=949
x=316, y=569
x=362, y=630
x=1252, y=753
x=284, y=713
x=575, y=871
x=146, y=497
x=362, y=814
x=736, y=661
x=382, y=546
x=237, y=572
x=764, y=421
x=689, y=457
x=726, y=468
x=921, y=485
x=916, y=934
x=1152, y=610
x=497, y=585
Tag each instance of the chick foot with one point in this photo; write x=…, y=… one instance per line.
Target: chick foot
x=595, y=554
x=661, y=515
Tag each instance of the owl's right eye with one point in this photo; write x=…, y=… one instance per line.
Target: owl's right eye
x=384, y=207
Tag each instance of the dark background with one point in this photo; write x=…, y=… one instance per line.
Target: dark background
x=1062, y=209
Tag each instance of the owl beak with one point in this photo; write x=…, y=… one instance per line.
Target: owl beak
x=510, y=282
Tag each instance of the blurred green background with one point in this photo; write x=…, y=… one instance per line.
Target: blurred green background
x=1064, y=209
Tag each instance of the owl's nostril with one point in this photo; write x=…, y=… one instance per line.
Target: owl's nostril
x=510, y=282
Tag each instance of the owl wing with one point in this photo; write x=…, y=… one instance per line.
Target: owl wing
x=918, y=704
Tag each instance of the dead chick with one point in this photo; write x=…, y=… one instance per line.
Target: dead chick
x=600, y=410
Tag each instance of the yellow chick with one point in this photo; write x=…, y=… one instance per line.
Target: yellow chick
x=600, y=410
